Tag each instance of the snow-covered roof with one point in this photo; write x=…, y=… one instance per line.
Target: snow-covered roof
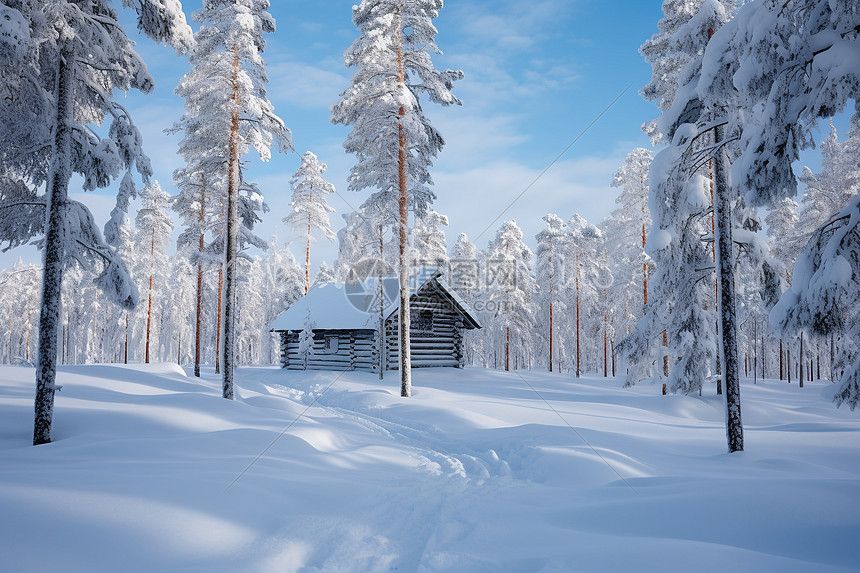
x=337, y=306
x=329, y=308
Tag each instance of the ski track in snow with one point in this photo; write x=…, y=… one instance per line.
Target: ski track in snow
x=475, y=472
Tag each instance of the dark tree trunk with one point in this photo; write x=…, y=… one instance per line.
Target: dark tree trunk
x=52, y=277
x=728, y=340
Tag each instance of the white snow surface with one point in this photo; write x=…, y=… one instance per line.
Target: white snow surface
x=151, y=470
x=330, y=307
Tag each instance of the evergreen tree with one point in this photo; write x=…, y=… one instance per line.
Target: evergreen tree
x=824, y=298
x=152, y=236
x=509, y=298
x=68, y=63
x=552, y=244
x=393, y=70
x=428, y=238
x=624, y=233
x=310, y=210
x=228, y=55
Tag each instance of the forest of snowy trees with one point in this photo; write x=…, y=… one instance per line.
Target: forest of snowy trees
x=708, y=269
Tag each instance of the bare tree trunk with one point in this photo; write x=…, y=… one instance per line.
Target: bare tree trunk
x=231, y=255
x=200, y=245
x=802, y=365
x=383, y=354
x=125, y=346
x=149, y=307
x=218, y=325
x=402, y=178
x=550, y=333
x=52, y=276
x=507, y=349
x=644, y=273
x=578, y=354
x=308, y=258
x=728, y=340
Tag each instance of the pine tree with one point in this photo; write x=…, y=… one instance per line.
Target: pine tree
x=824, y=298
x=237, y=116
x=552, y=245
x=428, y=238
x=393, y=70
x=625, y=232
x=509, y=296
x=67, y=73
x=310, y=210
x=152, y=236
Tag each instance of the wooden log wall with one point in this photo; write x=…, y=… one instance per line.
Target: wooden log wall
x=436, y=339
x=442, y=345
x=356, y=351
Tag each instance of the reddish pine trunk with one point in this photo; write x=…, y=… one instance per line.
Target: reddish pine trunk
x=403, y=203
x=218, y=326
x=308, y=259
x=578, y=354
x=200, y=245
x=550, y=335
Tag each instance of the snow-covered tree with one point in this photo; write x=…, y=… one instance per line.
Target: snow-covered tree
x=464, y=276
x=824, y=298
x=587, y=276
x=325, y=274
x=357, y=240
x=781, y=93
x=152, y=236
x=552, y=244
x=675, y=52
x=698, y=142
x=225, y=90
x=310, y=210
x=508, y=298
x=69, y=57
x=428, y=239
x=393, y=142
x=624, y=233
x=19, y=312
x=782, y=229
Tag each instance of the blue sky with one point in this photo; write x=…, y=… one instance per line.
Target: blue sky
x=537, y=73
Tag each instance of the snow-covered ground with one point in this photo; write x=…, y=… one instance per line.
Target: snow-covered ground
x=152, y=471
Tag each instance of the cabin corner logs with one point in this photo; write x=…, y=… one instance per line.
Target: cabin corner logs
x=439, y=319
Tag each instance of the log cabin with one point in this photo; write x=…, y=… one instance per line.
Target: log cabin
x=346, y=330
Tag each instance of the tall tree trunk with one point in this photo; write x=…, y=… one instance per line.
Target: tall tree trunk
x=198, y=318
x=403, y=203
x=550, y=334
x=380, y=292
x=578, y=355
x=52, y=277
x=781, y=361
x=125, y=345
x=218, y=324
x=802, y=365
x=308, y=259
x=507, y=349
x=149, y=304
x=726, y=268
x=231, y=255
x=755, y=352
x=644, y=273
